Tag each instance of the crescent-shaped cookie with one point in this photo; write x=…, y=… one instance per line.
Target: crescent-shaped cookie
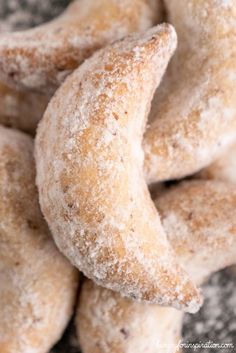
x=37, y=284
x=106, y=322
x=224, y=169
x=90, y=178
x=194, y=112
x=41, y=58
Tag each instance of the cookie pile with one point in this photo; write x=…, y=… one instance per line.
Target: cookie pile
x=125, y=103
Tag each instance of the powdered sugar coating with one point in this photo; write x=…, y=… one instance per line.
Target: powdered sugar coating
x=223, y=169
x=199, y=219
x=194, y=112
x=89, y=172
x=204, y=210
x=38, y=285
x=42, y=57
x=19, y=109
x=107, y=322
